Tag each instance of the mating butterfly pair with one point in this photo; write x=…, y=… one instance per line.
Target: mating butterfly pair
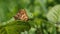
x=21, y=15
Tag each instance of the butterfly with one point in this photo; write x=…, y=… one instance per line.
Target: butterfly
x=21, y=15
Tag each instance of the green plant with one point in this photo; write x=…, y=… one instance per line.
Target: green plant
x=43, y=17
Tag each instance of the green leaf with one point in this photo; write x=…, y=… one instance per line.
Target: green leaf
x=32, y=30
x=54, y=14
x=14, y=28
x=29, y=14
x=45, y=32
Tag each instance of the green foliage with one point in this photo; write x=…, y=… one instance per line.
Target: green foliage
x=54, y=14
x=44, y=17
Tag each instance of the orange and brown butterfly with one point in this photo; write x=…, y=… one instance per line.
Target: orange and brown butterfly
x=21, y=15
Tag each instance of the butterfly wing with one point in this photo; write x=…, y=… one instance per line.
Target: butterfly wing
x=21, y=15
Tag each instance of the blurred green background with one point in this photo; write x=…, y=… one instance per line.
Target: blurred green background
x=44, y=17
